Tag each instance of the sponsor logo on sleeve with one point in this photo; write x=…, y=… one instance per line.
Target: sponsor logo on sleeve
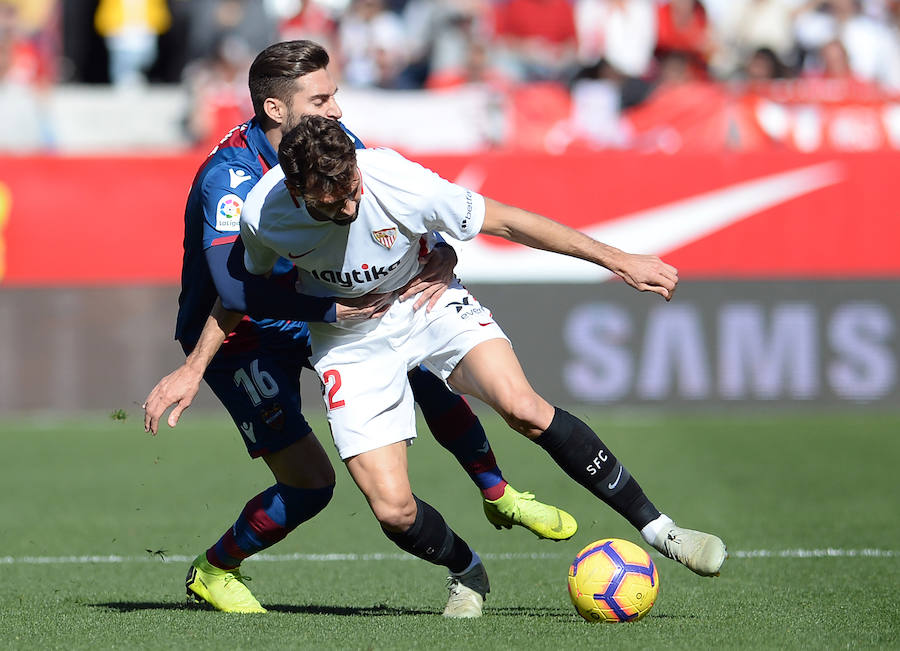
x=464, y=224
x=228, y=213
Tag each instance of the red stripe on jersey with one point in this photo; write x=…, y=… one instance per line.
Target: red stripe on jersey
x=243, y=338
x=234, y=138
x=423, y=247
x=262, y=161
x=227, y=239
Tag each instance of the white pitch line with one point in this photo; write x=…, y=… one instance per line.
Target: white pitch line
x=325, y=558
x=814, y=553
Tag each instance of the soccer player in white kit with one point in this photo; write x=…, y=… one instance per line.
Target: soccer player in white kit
x=354, y=223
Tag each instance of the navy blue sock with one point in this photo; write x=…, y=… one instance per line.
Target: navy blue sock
x=265, y=520
x=455, y=426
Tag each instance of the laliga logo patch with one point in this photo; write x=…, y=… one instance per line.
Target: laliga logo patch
x=228, y=213
x=385, y=237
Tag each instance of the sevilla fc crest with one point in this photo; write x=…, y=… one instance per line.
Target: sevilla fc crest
x=385, y=237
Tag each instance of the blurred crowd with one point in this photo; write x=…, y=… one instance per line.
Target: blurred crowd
x=633, y=46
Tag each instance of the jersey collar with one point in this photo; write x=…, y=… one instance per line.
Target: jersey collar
x=258, y=141
x=263, y=148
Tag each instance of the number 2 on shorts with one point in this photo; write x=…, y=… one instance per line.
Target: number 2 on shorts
x=327, y=378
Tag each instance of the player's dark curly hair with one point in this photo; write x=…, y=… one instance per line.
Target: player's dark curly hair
x=318, y=157
x=275, y=69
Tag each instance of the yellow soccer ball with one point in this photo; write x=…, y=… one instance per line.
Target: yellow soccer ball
x=613, y=580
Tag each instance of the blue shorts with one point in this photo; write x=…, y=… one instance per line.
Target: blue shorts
x=259, y=385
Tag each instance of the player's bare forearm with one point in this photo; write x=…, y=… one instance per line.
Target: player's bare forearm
x=538, y=232
x=368, y=306
x=180, y=387
x=643, y=272
x=219, y=324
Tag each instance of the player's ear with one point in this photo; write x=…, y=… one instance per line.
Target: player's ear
x=275, y=109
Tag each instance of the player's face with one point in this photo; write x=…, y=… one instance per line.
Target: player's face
x=314, y=96
x=339, y=210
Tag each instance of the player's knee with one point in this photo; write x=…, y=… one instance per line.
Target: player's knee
x=323, y=474
x=303, y=464
x=309, y=476
x=396, y=514
x=525, y=412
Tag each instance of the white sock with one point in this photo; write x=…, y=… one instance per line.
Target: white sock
x=651, y=530
x=476, y=559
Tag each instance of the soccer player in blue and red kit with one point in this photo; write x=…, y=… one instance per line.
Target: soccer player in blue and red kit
x=255, y=373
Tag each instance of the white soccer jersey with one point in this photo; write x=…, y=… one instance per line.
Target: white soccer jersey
x=379, y=251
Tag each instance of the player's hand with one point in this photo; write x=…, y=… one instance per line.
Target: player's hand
x=647, y=273
x=433, y=280
x=368, y=306
x=178, y=388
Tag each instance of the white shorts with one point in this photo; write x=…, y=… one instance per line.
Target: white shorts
x=363, y=365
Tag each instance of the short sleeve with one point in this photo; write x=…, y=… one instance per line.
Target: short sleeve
x=259, y=259
x=426, y=201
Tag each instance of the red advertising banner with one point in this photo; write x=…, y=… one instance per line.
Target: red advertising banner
x=104, y=221
x=93, y=221
x=804, y=115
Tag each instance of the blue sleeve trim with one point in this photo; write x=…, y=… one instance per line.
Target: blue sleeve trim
x=260, y=297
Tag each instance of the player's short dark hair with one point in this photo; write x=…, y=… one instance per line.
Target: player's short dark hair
x=318, y=157
x=275, y=69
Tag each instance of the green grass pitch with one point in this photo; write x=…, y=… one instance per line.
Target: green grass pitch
x=780, y=488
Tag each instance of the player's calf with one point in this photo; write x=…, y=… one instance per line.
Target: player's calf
x=265, y=520
x=432, y=540
x=578, y=450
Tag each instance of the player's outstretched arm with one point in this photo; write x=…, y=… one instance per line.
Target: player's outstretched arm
x=646, y=273
x=180, y=386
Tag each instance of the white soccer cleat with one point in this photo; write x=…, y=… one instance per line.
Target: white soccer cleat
x=467, y=593
x=702, y=553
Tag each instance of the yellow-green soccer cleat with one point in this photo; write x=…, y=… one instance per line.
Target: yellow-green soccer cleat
x=543, y=520
x=222, y=589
